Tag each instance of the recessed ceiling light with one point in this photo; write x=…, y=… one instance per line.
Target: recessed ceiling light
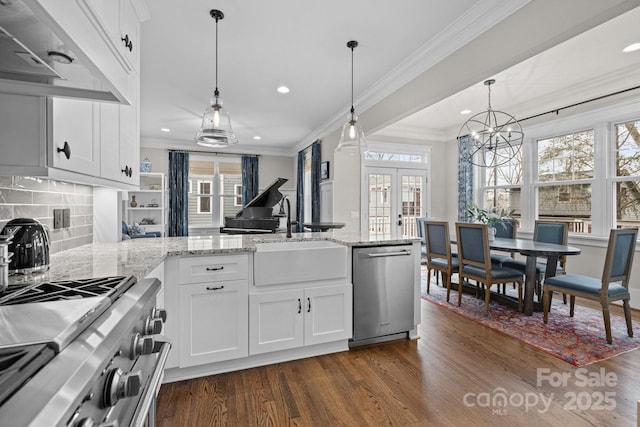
x=467, y=111
x=283, y=89
x=257, y=137
x=165, y=130
x=631, y=48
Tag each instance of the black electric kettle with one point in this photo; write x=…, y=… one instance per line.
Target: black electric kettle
x=29, y=245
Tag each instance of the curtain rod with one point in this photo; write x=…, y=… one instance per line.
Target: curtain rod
x=216, y=153
x=557, y=110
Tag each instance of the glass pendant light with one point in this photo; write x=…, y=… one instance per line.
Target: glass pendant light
x=352, y=137
x=216, y=130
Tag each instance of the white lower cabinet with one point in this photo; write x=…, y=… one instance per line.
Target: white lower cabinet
x=285, y=319
x=213, y=322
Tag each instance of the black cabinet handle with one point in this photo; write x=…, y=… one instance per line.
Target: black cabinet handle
x=215, y=288
x=66, y=149
x=215, y=268
x=309, y=301
x=127, y=42
x=127, y=171
x=299, y=306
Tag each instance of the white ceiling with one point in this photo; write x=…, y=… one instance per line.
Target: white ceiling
x=303, y=45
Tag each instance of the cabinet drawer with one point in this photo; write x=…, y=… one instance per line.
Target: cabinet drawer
x=213, y=268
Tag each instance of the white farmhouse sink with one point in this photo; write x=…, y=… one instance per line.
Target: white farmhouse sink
x=298, y=261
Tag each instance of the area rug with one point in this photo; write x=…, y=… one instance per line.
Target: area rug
x=578, y=340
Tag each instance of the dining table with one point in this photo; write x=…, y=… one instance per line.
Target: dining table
x=532, y=250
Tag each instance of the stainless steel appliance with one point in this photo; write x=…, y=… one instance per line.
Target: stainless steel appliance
x=81, y=353
x=257, y=215
x=383, y=293
x=5, y=258
x=29, y=245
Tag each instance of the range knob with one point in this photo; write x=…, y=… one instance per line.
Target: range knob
x=152, y=326
x=119, y=385
x=141, y=345
x=160, y=313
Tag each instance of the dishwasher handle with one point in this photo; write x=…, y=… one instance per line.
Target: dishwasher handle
x=403, y=252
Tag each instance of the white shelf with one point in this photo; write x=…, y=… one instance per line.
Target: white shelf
x=145, y=196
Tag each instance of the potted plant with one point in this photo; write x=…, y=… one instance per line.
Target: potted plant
x=490, y=216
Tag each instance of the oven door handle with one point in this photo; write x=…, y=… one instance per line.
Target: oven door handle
x=140, y=417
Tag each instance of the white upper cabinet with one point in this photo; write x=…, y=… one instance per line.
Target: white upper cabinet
x=74, y=135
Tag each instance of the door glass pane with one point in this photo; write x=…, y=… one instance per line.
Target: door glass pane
x=380, y=198
x=411, y=203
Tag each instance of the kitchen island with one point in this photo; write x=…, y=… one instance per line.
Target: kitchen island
x=239, y=301
x=139, y=257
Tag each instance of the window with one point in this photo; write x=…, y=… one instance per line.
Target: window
x=204, y=201
x=627, y=174
x=566, y=169
x=502, y=185
x=237, y=190
x=215, y=189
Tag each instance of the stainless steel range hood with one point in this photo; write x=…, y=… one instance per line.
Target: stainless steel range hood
x=38, y=58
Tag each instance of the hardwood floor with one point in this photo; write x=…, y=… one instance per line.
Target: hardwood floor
x=442, y=379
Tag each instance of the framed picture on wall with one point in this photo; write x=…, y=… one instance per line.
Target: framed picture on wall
x=324, y=170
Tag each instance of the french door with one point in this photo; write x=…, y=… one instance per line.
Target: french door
x=396, y=197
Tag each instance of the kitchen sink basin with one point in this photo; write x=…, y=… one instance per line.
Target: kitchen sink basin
x=298, y=261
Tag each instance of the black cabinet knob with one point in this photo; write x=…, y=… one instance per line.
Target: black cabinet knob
x=128, y=43
x=66, y=149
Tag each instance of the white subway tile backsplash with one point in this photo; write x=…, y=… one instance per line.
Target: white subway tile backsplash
x=30, y=183
x=31, y=211
x=10, y=196
x=42, y=198
x=33, y=197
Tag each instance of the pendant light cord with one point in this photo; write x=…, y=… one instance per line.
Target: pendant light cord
x=216, y=55
x=352, y=109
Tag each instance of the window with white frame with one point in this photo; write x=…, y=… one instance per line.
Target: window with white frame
x=501, y=185
x=215, y=184
x=237, y=190
x=566, y=171
x=627, y=174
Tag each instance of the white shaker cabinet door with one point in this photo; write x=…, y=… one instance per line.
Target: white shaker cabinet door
x=276, y=321
x=213, y=322
x=75, y=136
x=328, y=314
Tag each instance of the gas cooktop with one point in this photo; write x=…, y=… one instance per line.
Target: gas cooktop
x=111, y=287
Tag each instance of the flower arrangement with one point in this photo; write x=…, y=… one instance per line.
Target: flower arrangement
x=491, y=216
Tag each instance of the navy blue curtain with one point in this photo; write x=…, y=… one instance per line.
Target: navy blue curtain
x=300, y=192
x=315, y=181
x=249, y=178
x=178, y=193
x=465, y=177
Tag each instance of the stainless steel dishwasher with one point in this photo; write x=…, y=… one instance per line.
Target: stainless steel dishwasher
x=383, y=293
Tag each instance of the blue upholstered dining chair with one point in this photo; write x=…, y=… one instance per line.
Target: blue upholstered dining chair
x=438, y=248
x=504, y=229
x=475, y=263
x=546, y=232
x=613, y=286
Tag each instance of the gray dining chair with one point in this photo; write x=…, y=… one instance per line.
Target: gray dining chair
x=504, y=229
x=545, y=232
x=475, y=263
x=613, y=286
x=438, y=247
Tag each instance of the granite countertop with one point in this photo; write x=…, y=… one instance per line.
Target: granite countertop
x=139, y=257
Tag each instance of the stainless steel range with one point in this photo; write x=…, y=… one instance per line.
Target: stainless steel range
x=81, y=353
